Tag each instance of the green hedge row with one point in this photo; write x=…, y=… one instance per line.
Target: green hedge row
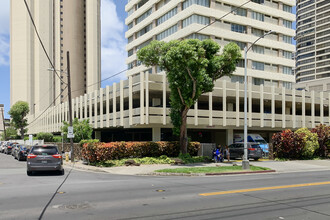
x=94, y=152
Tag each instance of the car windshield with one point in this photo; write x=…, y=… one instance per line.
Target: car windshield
x=261, y=141
x=255, y=146
x=49, y=150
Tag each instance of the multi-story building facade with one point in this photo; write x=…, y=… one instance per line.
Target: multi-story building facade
x=138, y=108
x=313, y=45
x=63, y=25
x=270, y=62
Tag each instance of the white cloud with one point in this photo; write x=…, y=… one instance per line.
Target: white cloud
x=4, y=32
x=113, y=43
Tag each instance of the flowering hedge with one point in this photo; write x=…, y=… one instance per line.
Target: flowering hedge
x=117, y=150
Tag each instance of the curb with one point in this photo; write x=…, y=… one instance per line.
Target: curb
x=243, y=172
x=86, y=168
x=208, y=174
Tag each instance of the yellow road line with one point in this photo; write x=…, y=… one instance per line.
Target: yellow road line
x=263, y=188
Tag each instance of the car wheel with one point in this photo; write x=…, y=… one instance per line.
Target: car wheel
x=256, y=159
x=29, y=173
x=18, y=158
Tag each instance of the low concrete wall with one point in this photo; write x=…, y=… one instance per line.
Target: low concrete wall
x=67, y=148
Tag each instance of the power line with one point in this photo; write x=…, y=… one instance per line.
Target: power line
x=42, y=45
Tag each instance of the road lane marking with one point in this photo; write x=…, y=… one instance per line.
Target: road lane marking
x=264, y=188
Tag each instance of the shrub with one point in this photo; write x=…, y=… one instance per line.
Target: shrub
x=288, y=144
x=323, y=134
x=47, y=137
x=310, y=142
x=57, y=139
x=94, y=151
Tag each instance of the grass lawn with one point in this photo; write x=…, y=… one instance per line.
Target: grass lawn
x=210, y=169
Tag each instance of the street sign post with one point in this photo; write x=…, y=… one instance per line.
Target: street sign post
x=70, y=132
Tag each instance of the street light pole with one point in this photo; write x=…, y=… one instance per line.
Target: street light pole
x=245, y=162
x=70, y=103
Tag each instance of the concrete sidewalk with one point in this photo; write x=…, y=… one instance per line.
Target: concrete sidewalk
x=278, y=166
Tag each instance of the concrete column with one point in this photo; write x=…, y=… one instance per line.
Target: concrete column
x=130, y=100
x=95, y=108
x=230, y=107
x=156, y=134
x=85, y=106
x=90, y=108
x=141, y=98
x=329, y=107
x=107, y=107
x=283, y=108
x=121, y=103
x=273, y=106
x=224, y=103
x=114, y=105
x=294, y=108
x=101, y=108
x=321, y=108
x=237, y=104
x=164, y=99
x=262, y=110
x=98, y=135
x=303, y=109
x=81, y=107
x=313, y=108
x=210, y=109
x=250, y=103
x=229, y=136
x=147, y=98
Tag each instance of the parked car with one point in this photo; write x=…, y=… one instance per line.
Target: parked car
x=44, y=158
x=8, y=148
x=2, y=146
x=253, y=138
x=236, y=150
x=22, y=152
x=14, y=149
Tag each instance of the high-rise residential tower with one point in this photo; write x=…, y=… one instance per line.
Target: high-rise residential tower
x=63, y=25
x=270, y=62
x=313, y=45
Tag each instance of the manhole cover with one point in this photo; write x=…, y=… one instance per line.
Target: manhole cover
x=72, y=206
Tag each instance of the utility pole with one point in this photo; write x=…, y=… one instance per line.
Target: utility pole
x=4, y=126
x=70, y=103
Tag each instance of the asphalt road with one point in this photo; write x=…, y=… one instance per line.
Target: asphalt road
x=89, y=195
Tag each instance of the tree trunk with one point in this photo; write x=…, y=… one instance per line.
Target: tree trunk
x=183, y=131
x=22, y=133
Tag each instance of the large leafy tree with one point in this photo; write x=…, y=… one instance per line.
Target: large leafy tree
x=81, y=130
x=18, y=112
x=192, y=66
x=11, y=133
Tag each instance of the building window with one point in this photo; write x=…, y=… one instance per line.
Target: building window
x=257, y=32
x=143, y=16
x=130, y=12
x=287, y=8
x=258, y=49
x=167, y=16
x=198, y=36
x=195, y=19
x=287, y=23
x=130, y=53
x=130, y=39
x=239, y=11
x=287, y=39
x=258, y=16
x=258, y=65
x=141, y=3
x=130, y=25
x=258, y=82
x=238, y=28
x=258, y=1
x=287, y=70
x=167, y=32
x=235, y=79
x=287, y=54
x=143, y=44
x=188, y=3
x=144, y=30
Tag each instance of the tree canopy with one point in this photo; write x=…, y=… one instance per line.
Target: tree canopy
x=81, y=130
x=192, y=66
x=18, y=112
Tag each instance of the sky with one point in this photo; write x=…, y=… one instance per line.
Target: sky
x=113, y=44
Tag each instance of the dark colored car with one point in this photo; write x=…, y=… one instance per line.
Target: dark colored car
x=21, y=153
x=44, y=158
x=237, y=151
